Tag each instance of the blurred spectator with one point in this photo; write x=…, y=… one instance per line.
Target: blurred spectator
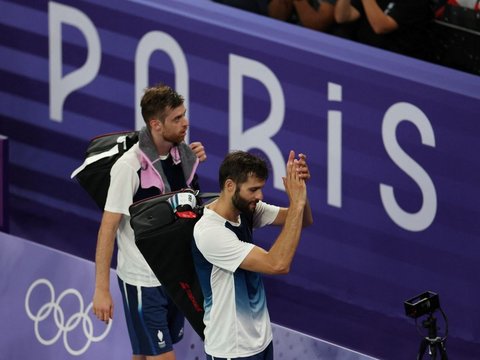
x=255, y=6
x=312, y=14
x=400, y=26
x=456, y=34
x=462, y=13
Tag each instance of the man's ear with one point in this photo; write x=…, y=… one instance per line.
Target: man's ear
x=155, y=124
x=230, y=186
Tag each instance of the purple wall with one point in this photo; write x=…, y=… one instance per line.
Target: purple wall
x=51, y=311
x=392, y=144
x=4, y=183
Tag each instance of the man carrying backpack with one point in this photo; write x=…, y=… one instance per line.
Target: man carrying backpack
x=160, y=162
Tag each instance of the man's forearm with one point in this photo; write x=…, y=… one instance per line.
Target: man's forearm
x=283, y=249
x=103, y=259
x=307, y=215
x=379, y=21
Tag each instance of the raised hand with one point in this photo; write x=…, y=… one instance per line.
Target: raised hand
x=294, y=181
x=302, y=167
x=198, y=150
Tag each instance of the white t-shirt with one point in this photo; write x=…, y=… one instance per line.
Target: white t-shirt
x=237, y=323
x=132, y=267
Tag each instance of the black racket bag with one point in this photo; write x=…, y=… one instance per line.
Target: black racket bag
x=163, y=227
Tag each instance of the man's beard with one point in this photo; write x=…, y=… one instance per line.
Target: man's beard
x=241, y=204
x=175, y=139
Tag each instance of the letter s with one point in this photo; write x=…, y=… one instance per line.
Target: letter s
x=424, y=217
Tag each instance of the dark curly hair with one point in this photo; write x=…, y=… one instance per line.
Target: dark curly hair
x=239, y=165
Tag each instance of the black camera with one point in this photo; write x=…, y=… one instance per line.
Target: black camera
x=425, y=303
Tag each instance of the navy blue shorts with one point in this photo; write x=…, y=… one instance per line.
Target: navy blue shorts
x=266, y=354
x=154, y=322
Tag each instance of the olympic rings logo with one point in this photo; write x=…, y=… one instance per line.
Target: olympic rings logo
x=64, y=325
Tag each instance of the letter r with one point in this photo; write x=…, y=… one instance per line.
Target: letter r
x=259, y=136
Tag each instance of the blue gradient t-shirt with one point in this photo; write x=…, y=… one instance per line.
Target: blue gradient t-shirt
x=236, y=318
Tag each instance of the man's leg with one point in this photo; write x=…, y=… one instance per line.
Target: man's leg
x=146, y=311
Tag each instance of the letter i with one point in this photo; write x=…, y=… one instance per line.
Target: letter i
x=334, y=151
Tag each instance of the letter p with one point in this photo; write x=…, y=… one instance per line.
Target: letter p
x=61, y=87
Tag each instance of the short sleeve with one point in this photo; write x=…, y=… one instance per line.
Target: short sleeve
x=220, y=246
x=265, y=214
x=124, y=183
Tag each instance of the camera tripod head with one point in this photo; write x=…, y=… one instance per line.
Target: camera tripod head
x=423, y=307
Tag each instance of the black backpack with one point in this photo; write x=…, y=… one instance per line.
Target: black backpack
x=163, y=230
x=102, y=152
